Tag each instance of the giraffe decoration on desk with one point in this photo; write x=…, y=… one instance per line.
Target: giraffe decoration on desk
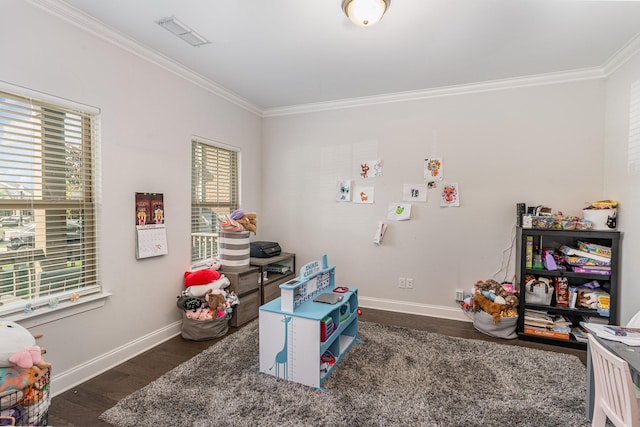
x=281, y=357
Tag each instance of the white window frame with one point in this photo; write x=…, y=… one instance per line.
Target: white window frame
x=205, y=239
x=37, y=309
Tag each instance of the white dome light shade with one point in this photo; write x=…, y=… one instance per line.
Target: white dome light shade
x=365, y=13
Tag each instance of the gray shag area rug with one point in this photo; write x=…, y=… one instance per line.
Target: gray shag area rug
x=395, y=377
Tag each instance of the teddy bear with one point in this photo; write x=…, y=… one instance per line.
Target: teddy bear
x=18, y=347
x=249, y=222
x=217, y=302
x=484, y=303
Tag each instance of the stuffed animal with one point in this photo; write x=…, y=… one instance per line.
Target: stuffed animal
x=215, y=264
x=199, y=291
x=249, y=222
x=229, y=224
x=200, y=277
x=491, y=286
x=232, y=299
x=484, y=303
x=202, y=313
x=237, y=214
x=188, y=303
x=504, y=294
x=18, y=347
x=217, y=302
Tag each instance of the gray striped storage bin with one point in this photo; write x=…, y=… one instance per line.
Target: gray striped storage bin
x=234, y=249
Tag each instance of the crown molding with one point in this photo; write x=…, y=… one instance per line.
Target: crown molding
x=618, y=59
x=466, y=89
x=98, y=29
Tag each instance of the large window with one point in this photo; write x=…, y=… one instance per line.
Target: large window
x=214, y=193
x=47, y=203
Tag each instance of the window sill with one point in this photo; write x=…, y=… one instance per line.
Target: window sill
x=64, y=309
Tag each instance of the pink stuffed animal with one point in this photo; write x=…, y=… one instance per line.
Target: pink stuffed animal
x=18, y=347
x=202, y=313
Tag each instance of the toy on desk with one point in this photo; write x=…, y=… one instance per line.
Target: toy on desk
x=341, y=289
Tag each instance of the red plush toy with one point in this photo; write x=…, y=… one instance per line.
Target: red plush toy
x=200, y=277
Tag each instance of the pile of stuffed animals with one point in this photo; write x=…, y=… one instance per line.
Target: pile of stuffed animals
x=205, y=297
x=495, y=299
x=239, y=221
x=24, y=383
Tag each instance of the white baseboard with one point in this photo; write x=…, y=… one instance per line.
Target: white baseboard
x=63, y=381
x=414, y=308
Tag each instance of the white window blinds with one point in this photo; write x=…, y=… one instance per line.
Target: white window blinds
x=47, y=203
x=214, y=193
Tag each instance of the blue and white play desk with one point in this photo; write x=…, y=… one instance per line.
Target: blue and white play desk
x=302, y=340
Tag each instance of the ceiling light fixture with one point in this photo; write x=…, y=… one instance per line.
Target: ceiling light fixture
x=365, y=13
x=176, y=27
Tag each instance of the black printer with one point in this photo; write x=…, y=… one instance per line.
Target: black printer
x=264, y=249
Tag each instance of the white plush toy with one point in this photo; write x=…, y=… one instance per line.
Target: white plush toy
x=18, y=347
x=198, y=291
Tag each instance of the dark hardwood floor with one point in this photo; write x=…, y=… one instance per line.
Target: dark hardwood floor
x=82, y=405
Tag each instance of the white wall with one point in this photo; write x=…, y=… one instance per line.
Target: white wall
x=148, y=118
x=538, y=145
x=621, y=183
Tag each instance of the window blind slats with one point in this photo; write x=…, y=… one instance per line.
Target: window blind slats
x=47, y=192
x=214, y=193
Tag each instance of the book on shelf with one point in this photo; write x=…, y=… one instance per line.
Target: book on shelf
x=605, y=271
x=543, y=320
x=567, y=250
x=584, y=261
x=543, y=332
x=592, y=248
x=580, y=334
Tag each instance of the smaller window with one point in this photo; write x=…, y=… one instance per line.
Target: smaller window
x=214, y=194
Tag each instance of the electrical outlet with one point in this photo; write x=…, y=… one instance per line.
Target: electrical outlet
x=402, y=282
x=409, y=282
x=459, y=295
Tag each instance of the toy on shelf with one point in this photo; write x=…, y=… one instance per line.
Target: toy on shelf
x=314, y=278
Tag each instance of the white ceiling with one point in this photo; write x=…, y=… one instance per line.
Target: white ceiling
x=285, y=53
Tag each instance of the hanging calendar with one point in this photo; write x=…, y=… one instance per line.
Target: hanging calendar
x=151, y=240
x=151, y=234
